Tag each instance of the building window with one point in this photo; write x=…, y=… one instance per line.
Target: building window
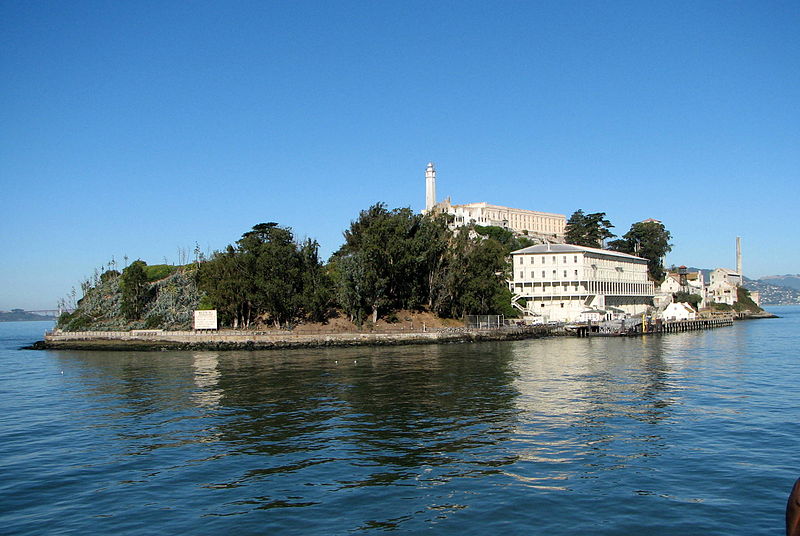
x=576, y=273
x=543, y=274
x=562, y=305
x=575, y=258
x=565, y=259
x=522, y=275
x=565, y=273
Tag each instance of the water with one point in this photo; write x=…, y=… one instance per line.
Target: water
x=692, y=433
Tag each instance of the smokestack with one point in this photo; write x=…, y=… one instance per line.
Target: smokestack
x=739, y=256
x=430, y=187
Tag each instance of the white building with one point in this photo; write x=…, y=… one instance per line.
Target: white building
x=722, y=286
x=727, y=275
x=679, y=311
x=560, y=282
x=543, y=225
x=723, y=292
x=681, y=281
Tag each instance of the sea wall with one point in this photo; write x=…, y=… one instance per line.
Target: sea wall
x=237, y=340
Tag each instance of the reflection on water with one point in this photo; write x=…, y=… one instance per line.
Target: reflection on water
x=458, y=438
x=206, y=378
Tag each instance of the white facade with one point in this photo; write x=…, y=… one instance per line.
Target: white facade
x=539, y=224
x=722, y=292
x=562, y=281
x=430, y=187
x=679, y=311
x=691, y=283
x=725, y=275
x=529, y=222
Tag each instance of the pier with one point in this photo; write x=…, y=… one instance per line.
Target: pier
x=649, y=327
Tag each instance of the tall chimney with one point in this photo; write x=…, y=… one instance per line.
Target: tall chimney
x=430, y=187
x=739, y=256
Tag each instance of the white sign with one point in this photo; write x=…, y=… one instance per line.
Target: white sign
x=205, y=319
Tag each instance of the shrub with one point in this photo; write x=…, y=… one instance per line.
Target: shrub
x=78, y=323
x=154, y=321
x=158, y=271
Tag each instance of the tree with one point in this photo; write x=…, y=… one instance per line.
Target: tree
x=589, y=230
x=317, y=286
x=267, y=274
x=685, y=297
x=504, y=237
x=649, y=240
x=134, y=290
x=383, y=271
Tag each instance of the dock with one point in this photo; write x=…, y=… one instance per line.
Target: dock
x=639, y=328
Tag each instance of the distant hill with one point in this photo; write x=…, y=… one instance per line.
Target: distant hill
x=788, y=280
x=773, y=294
x=18, y=315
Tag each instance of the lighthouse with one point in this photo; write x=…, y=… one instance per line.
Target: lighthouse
x=430, y=187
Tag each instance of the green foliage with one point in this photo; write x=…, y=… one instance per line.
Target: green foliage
x=75, y=321
x=154, y=321
x=156, y=272
x=649, y=240
x=473, y=278
x=744, y=303
x=504, y=237
x=266, y=275
x=500, y=235
x=589, y=230
x=109, y=275
x=720, y=306
x=378, y=265
x=63, y=320
x=395, y=259
x=206, y=304
x=135, y=289
x=692, y=299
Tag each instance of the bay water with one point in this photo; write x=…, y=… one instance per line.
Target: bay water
x=688, y=433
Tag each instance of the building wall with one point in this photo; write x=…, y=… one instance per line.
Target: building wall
x=559, y=286
x=722, y=292
x=721, y=275
x=536, y=223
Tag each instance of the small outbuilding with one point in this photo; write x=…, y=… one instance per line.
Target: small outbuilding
x=679, y=311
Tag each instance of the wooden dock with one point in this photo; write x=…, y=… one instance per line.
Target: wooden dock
x=652, y=327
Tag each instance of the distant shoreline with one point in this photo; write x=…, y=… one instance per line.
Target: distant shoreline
x=4, y=318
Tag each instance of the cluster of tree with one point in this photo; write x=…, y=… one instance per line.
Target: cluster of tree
x=395, y=259
x=647, y=239
x=589, y=230
x=390, y=260
x=267, y=275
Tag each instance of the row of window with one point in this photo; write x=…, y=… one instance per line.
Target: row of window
x=544, y=274
x=544, y=259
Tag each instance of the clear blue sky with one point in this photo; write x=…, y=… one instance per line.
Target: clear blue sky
x=137, y=128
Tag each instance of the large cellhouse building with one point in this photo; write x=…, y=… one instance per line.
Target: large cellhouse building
x=545, y=225
x=564, y=282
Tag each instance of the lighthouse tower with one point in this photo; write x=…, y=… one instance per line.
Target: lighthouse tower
x=430, y=187
x=739, y=257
